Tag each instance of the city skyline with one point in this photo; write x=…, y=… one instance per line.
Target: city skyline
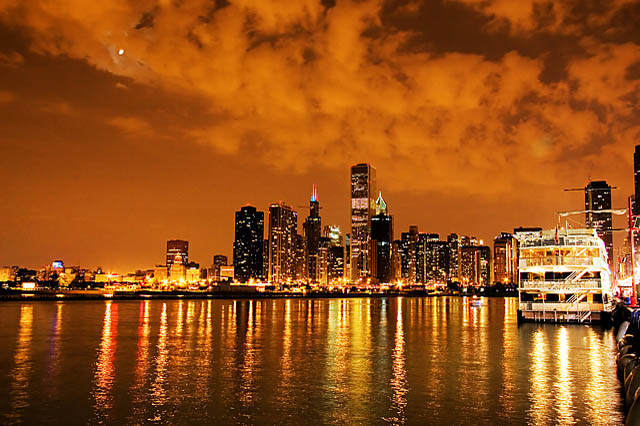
x=155, y=123
x=205, y=259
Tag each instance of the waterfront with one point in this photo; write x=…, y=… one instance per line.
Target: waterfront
x=405, y=360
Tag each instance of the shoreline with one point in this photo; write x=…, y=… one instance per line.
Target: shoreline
x=63, y=295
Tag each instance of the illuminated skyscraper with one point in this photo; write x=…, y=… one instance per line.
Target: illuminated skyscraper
x=363, y=189
x=312, y=230
x=454, y=256
x=505, y=258
x=332, y=232
x=382, y=238
x=283, y=243
x=175, y=247
x=597, y=196
x=408, y=250
x=247, y=247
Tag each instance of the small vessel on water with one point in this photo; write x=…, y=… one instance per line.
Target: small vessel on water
x=475, y=302
x=563, y=276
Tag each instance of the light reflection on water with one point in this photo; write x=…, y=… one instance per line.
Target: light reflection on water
x=291, y=361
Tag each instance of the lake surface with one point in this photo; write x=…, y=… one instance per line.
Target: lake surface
x=294, y=361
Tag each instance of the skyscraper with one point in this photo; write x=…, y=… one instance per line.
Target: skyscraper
x=408, y=250
x=382, y=238
x=363, y=188
x=424, y=255
x=283, y=243
x=175, y=247
x=247, y=247
x=312, y=230
x=505, y=258
x=454, y=256
x=597, y=196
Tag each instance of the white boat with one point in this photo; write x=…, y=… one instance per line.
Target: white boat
x=563, y=277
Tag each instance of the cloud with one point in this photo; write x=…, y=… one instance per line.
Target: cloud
x=6, y=97
x=11, y=59
x=302, y=85
x=133, y=126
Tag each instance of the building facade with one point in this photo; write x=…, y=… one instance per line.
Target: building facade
x=381, y=242
x=505, y=259
x=175, y=247
x=312, y=233
x=597, y=196
x=283, y=243
x=363, y=188
x=248, y=244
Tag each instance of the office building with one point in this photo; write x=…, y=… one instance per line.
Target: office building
x=248, y=244
x=363, y=189
x=312, y=230
x=381, y=242
x=597, y=197
x=283, y=243
x=174, y=248
x=505, y=258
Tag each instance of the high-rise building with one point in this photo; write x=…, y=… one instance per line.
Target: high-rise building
x=247, y=247
x=312, y=231
x=283, y=243
x=597, y=196
x=434, y=260
x=454, y=256
x=332, y=232
x=175, y=247
x=220, y=260
x=486, y=268
x=505, y=258
x=381, y=241
x=323, y=260
x=363, y=189
x=407, y=249
x=335, y=263
x=423, y=255
x=469, y=265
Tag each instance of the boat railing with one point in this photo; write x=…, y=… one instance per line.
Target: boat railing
x=560, y=285
x=561, y=260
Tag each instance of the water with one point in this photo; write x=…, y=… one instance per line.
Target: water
x=319, y=361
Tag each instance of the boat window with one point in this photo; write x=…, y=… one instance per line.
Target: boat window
x=526, y=297
x=552, y=297
x=597, y=298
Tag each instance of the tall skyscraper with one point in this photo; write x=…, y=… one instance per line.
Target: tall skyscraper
x=283, y=243
x=597, y=196
x=408, y=250
x=363, y=189
x=505, y=258
x=424, y=255
x=454, y=256
x=382, y=238
x=247, y=247
x=177, y=247
x=312, y=230
x=433, y=259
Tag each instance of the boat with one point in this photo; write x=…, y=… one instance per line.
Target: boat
x=563, y=277
x=475, y=302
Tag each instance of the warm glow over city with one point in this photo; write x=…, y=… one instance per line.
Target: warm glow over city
x=320, y=211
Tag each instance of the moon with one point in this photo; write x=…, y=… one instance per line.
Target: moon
x=121, y=52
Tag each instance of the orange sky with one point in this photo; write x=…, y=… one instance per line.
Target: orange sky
x=476, y=115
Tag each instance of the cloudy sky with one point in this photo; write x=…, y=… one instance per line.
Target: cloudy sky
x=476, y=114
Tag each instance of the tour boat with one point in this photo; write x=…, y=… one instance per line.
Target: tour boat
x=563, y=276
